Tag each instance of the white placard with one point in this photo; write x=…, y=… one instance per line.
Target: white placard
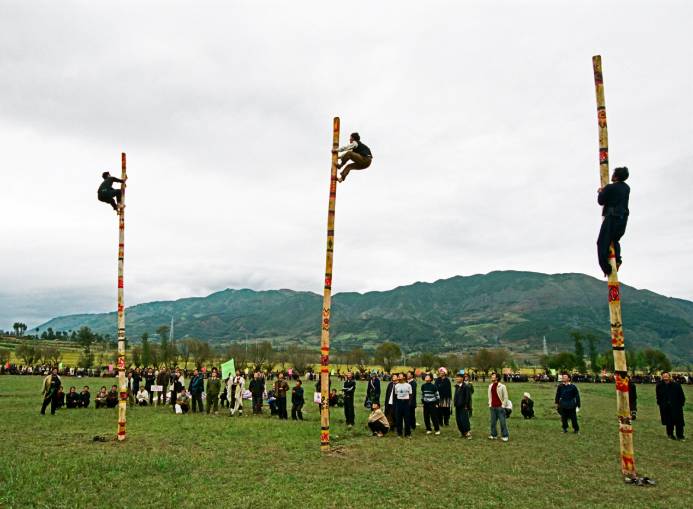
x=157, y=388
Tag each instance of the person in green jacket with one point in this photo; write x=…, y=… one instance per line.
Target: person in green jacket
x=213, y=390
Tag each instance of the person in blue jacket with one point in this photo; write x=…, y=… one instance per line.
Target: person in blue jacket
x=567, y=403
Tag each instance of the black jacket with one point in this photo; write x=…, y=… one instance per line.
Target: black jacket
x=614, y=197
x=567, y=396
x=444, y=388
x=463, y=396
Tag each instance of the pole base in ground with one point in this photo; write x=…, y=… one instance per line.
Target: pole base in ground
x=640, y=481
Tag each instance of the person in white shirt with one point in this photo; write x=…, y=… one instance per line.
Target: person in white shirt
x=142, y=396
x=403, y=394
x=355, y=151
x=236, y=386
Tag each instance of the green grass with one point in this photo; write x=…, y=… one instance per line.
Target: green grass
x=196, y=460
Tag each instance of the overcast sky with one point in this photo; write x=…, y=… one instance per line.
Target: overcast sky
x=481, y=117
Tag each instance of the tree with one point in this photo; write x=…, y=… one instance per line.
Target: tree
x=51, y=355
x=579, y=352
x=261, y=355
x=27, y=353
x=358, y=357
x=426, y=360
x=593, y=354
x=19, y=329
x=146, y=350
x=239, y=353
x=655, y=360
x=136, y=356
x=634, y=360
x=299, y=358
x=387, y=354
x=485, y=360
x=563, y=361
x=201, y=352
x=185, y=348
x=4, y=356
x=154, y=355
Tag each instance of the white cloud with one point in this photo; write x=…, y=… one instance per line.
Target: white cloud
x=481, y=117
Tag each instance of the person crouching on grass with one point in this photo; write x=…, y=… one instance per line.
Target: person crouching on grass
x=142, y=396
x=377, y=422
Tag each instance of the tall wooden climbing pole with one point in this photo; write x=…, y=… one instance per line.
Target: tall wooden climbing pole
x=625, y=427
x=122, y=383
x=327, y=301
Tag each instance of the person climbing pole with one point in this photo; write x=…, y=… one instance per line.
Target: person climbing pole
x=614, y=198
x=356, y=152
x=106, y=193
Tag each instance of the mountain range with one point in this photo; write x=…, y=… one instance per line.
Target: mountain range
x=512, y=309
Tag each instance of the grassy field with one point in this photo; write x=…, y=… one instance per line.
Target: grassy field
x=194, y=460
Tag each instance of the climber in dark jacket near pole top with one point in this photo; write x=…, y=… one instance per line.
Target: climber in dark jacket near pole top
x=614, y=198
x=106, y=193
x=355, y=151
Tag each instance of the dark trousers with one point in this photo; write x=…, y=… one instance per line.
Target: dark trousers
x=53, y=402
x=412, y=417
x=444, y=415
x=569, y=413
x=679, y=430
x=612, y=230
x=257, y=403
x=174, y=396
x=402, y=417
x=390, y=414
x=196, y=401
x=378, y=427
x=430, y=411
x=297, y=411
x=281, y=408
x=110, y=196
x=349, y=411
x=212, y=402
x=462, y=418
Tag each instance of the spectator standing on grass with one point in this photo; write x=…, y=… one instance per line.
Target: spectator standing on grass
x=373, y=389
x=84, y=397
x=196, y=388
x=131, y=392
x=567, y=403
x=527, y=406
x=213, y=389
x=51, y=386
x=429, y=400
x=403, y=394
x=670, y=399
x=177, y=386
x=445, y=392
x=163, y=379
x=390, y=401
x=281, y=388
x=349, y=389
x=257, y=389
x=297, y=401
x=497, y=399
x=463, y=405
x=377, y=422
x=72, y=398
x=101, y=398
x=632, y=399
x=149, y=380
x=238, y=387
x=411, y=380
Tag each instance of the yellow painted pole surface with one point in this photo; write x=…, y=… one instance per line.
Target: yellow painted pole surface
x=122, y=384
x=327, y=302
x=625, y=427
